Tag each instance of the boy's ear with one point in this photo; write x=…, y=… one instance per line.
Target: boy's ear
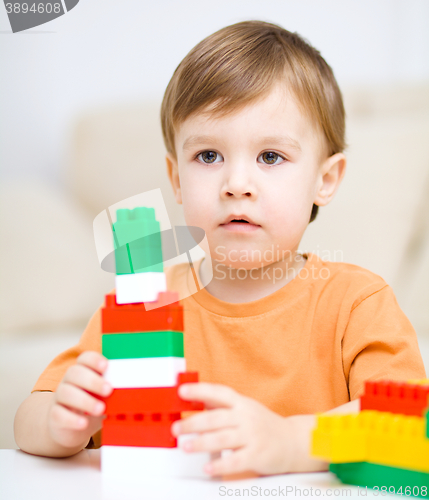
x=330, y=175
x=173, y=175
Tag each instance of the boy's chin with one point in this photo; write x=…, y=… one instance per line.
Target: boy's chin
x=250, y=258
x=247, y=265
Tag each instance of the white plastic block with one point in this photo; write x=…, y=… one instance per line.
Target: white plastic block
x=149, y=462
x=139, y=287
x=144, y=372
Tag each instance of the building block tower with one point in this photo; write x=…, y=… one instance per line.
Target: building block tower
x=142, y=337
x=386, y=445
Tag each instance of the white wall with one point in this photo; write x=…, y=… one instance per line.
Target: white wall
x=107, y=51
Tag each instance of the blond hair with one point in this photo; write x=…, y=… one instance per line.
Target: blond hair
x=238, y=65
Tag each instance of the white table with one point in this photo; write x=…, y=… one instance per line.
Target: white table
x=24, y=476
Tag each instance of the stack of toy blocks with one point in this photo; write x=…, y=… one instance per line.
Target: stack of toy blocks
x=386, y=445
x=142, y=337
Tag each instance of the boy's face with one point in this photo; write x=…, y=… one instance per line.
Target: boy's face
x=265, y=163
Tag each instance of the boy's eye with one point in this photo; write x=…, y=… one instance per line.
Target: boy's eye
x=270, y=157
x=208, y=156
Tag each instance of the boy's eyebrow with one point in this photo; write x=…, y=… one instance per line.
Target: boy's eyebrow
x=278, y=139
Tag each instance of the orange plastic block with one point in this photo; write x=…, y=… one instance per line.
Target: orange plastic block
x=395, y=397
x=152, y=399
x=139, y=429
x=127, y=318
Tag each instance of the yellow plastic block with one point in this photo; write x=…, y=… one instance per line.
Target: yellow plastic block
x=399, y=441
x=422, y=381
x=341, y=438
x=371, y=436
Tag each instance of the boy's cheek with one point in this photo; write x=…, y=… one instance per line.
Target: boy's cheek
x=197, y=200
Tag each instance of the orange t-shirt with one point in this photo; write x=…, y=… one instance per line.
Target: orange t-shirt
x=306, y=348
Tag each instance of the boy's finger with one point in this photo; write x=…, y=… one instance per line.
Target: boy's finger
x=84, y=377
x=223, y=439
x=65, y=418
x=214, y=395
x=205, y=421
x=75, y=398
x=93, y=360
x=231, y=463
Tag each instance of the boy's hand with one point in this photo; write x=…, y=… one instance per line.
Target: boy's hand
x=262, y=440
x=75, y=415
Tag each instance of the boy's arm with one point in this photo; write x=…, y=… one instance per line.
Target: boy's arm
x=31, y=428
x=61, y=423
x=379, y=343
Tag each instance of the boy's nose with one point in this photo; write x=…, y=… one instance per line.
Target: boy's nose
x=239, y=183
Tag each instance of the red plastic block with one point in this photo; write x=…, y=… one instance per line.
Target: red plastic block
x=395, y=397
x=139, y=429
x=152, y=399
x=127, y=318
x=187, y=377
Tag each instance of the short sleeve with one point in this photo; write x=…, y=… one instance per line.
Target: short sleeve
x=55, y=371
x=379, y=342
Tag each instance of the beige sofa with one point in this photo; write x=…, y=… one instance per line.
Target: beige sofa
x=51, y=280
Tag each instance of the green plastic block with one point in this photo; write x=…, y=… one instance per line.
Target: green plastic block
x=408, y=483
x=132, y=253
x=142, y=345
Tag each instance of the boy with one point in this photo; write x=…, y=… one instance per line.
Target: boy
x=253, y=123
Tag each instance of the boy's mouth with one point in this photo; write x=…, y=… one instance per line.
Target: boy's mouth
x=239, y=223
